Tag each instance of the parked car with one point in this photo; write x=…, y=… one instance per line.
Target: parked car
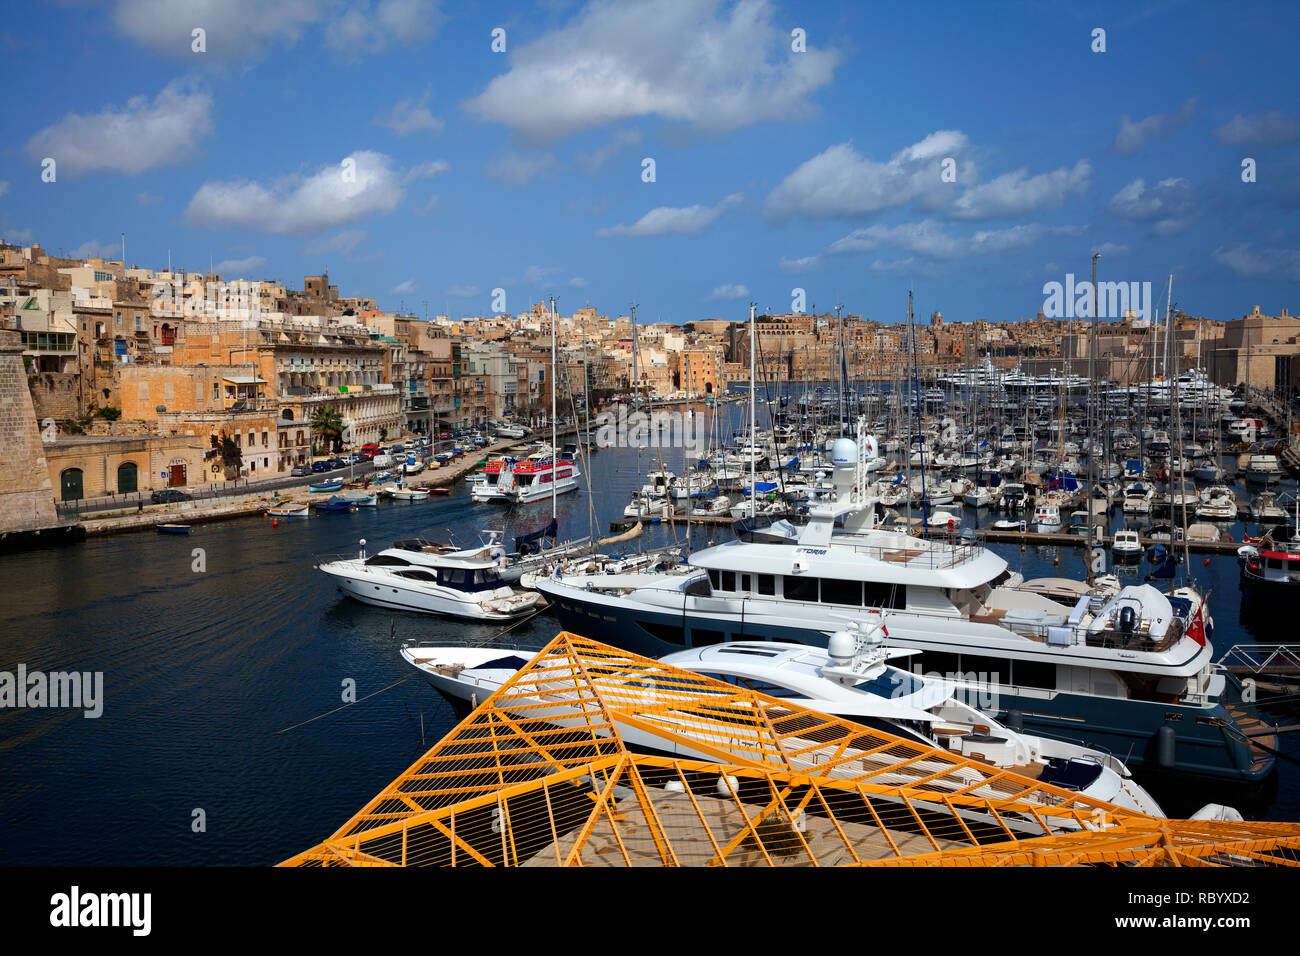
x=300, y=470
x=336, y=463
x=319, y=466
x=167, y=495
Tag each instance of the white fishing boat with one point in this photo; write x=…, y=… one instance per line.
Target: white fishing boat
x=402, y=493
x=290, y=510
x=1126, y=548
x=1047, y=519
x=1266, y=510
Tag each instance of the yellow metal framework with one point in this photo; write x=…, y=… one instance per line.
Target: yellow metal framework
x=542, y=774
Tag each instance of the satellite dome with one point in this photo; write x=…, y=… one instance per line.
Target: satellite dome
x=844, y=452
x=843, y=645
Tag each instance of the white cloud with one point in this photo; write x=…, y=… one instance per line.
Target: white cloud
x=1168, y=205
x=94, y=249
x=1248, y=262
x=534, y=275
x=1112, y=250
x=18, y=236
x=147, y=198
x=664, y=220
x=728, y=293
x=403, y=288
x=300, y=204
x=1133, y=136
x=927, y=238
x=839, y=183
x=1262, y=129
x=141, y=136
x=518, y=169
x=598, y=157
x=342, y=243
x=1016, y=194
x=463, y=291
x=369, y=27
x=797, y=266
x=908, y=267
x=410, y=116
x=578, y=282
x=240, y=268
x=4, y=186
x=693, y=61
x=246, y=29
x=425, y=170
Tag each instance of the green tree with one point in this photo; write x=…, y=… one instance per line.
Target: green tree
x=232, y=457
x=383, y=435
x=328, y=423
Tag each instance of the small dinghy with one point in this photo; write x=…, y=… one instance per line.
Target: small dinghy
x=173, y=528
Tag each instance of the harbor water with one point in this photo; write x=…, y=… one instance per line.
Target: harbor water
x=225, y=737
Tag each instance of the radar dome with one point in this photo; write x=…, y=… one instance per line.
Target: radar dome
x=844, y=452
x=842, y=646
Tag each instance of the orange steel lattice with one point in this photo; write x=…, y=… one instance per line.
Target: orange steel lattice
x=543, y=773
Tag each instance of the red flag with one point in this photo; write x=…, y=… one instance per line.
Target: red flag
x=1196, y=627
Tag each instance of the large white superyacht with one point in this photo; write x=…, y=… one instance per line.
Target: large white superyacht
x=1125, y=668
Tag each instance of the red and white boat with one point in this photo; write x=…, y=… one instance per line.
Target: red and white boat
x=536, y=479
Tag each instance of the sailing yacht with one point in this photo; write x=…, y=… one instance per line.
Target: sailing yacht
x=1106, y=662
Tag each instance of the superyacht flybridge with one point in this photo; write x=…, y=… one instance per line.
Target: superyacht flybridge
x=1127, y=669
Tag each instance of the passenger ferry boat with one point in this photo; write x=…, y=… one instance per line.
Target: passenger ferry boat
x=1126, y=668
x=538, y=478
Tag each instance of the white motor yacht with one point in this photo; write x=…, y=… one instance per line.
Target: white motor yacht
x=415, y=575
x=855, y=677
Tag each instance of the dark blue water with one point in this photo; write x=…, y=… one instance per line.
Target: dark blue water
x=203, y=669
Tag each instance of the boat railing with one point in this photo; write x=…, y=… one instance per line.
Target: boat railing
x=1260, y=658
x=920, y=552
x=1107, y=638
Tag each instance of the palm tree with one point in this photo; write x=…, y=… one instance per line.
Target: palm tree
x=328, y=423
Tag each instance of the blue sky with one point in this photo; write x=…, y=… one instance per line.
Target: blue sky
x=774, y=169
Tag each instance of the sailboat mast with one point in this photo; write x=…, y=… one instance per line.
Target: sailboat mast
x=1092, y=434
x=753, y=432
x=555, y=459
